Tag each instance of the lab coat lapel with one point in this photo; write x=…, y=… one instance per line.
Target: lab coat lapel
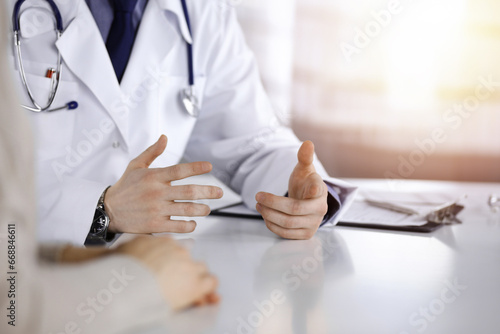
x=150, y=46
x=85, y=54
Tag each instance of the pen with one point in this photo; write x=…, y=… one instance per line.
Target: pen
x=391, y=206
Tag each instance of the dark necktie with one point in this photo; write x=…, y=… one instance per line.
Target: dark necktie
x=121, y=35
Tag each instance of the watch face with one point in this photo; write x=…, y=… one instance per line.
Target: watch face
x=100, y=222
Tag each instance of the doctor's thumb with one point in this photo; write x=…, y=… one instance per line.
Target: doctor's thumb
x=146, y=158
x=306, y=154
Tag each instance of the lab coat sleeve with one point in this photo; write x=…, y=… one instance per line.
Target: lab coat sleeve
x=66, y=208
x=238, y=131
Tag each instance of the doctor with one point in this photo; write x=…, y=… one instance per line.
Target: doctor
x=124, y=63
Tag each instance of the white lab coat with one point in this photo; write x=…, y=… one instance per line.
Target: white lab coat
x=83, y=151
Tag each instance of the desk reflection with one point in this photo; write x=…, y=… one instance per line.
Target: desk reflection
x=289, y=284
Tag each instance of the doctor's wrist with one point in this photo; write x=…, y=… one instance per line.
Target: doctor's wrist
x=110, y=211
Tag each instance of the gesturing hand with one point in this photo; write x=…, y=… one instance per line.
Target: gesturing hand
x=143, y=200
x=299, y=215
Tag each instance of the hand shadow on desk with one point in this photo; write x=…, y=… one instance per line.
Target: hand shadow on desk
x=297, y=269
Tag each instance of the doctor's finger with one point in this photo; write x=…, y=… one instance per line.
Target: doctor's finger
x=146, y=158
x=315, y=186
x=187, y=209
x=294, y=234
x=192, y=192
x=290, y=206
x=182, y=171
x=174, y=226
x=282, y=219
x=305, y=155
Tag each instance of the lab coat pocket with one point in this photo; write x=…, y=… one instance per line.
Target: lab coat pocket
x=53, y=131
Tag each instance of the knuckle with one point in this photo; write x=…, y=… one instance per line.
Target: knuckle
x=155, y=208
x=174, y=171
x=157, y=192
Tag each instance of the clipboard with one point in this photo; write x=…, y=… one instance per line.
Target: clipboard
x=237, y=210
x=419, y=216
x=427, y=228
x=408, y=212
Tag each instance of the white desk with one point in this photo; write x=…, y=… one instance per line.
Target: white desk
x=350, y=280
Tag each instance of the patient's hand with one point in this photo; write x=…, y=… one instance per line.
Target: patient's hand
x=183, y=281
x=71, y=254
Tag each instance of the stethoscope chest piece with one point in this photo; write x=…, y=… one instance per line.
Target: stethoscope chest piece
x=190, y=102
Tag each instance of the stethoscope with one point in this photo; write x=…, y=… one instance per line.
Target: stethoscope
x=187, y=96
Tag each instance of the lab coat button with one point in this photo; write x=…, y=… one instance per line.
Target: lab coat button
x=116, y=144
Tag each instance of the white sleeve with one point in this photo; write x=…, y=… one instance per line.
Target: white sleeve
x=237, y=130
x=66, y=209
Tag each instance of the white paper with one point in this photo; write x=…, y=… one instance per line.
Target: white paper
x=362, y=212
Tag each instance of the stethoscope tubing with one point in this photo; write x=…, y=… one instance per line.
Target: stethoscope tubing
x=56, y=77
x=187, y=94
x=189, y=45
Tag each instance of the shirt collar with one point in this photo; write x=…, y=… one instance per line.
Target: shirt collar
x=175, y=6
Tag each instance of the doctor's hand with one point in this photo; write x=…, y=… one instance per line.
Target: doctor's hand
x=299, y=215
x=143, y=200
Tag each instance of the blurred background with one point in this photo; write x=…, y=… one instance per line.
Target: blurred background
x=385, y=89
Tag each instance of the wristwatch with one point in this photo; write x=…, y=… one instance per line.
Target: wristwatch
x=98, y=234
